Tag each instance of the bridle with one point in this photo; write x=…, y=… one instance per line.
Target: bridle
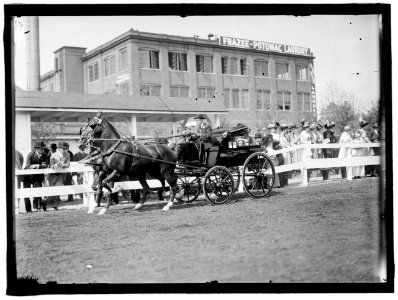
x=88, y=132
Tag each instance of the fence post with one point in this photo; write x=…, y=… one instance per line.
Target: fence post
x=304, y=173
x=88, y=198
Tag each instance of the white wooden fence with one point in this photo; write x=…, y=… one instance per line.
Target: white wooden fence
x=303, y=166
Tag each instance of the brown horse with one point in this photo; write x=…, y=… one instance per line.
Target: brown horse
x=122, y=157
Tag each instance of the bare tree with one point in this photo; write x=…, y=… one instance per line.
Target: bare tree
x=44, y=131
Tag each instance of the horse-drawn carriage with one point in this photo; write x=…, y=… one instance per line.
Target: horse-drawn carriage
x=217, y=176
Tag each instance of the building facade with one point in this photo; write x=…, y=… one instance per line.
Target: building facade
x=258, y=82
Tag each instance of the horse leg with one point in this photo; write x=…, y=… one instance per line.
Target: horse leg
x=146, y=191
x=168, y=173
x=106, y=206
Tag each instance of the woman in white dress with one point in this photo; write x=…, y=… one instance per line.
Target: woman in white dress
x=360, y=137
x=306, y=138
x=345, y=152
x=268, y=143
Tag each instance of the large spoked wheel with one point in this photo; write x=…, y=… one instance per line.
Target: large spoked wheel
x=188, y=188
x=258, y=175
x=218, y=186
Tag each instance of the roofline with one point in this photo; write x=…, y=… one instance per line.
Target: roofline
x=47, y=75
x=70, y=47
x=135, y=34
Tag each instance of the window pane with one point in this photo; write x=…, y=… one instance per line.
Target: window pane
x=301, y=72
x=112, y=62
x=143, y=58
x=224, y=65
x=243, y=66
x=245, y=99
x=287, y=101
x=201, y=93
x=226, y=98
x=208, y=62
x=183, y=61
x=173, y=61
x=234, y=66
x=199, y=63
x=261, y=68
x=174, y=91
x=154, y=59
x=184, y=91
x=300, y=101
x=235, y=98
x=282, y=71
x=96, y=71
x=280, y=101
x=155, y=91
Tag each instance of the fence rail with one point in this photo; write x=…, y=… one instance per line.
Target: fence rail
x=88, y=193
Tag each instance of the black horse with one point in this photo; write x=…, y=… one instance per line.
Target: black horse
x=122, y=157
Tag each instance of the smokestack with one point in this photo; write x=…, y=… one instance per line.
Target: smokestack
x=32, y=53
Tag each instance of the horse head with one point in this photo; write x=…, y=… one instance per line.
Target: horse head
x=90, y=129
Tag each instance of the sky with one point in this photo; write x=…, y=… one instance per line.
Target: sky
x=346, y=47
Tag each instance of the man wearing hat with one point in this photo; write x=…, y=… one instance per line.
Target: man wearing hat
x=36, y=160
x=329, y=153
x=59, y=160
x=78, y=156
x=69, y=176
x=203, y=134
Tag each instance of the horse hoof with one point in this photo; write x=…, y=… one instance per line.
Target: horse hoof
x=166, y=208
x=102, y=212
x=138, y=206
x=90, y=211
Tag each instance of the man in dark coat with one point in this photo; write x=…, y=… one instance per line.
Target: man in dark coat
x=203, y=135
x=68, y=176
x=36, y=160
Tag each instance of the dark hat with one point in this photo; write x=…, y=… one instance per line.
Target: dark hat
x=63, y=145
x=199, y=117
x=53, y=146
x=277, y=124
x=375, y=125
x=330, y=125
x=258, y=136
x=267, y=139
x=82, y=147
x=240, y=125
x=363, y=124
x=40, y=144
x=305, y=125
x=302, y=122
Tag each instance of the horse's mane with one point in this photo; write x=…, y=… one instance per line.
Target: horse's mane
x=111, y=127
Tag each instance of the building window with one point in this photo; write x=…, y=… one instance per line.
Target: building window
x=123, y=59
x=178, y=61
x=226, y=98
x=234, y=66
x=243, y=66
x=150, y=90
x=282, y=70
x=149, y=59
x=93, y=72
x=109, y=66
x=204, y=63
x=245, y=99
x=124, y=88
x=304, y=102
x=179, y=91
x=235, y=99
x=284, y=101
x=224, y=65
x=301, y=72
x=261, y=68
x=263, y=99
x=206, y=92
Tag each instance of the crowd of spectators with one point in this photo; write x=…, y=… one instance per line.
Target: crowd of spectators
x=57, y=156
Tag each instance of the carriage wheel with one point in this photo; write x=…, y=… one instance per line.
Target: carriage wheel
x=258, y=175
x=188, y=188
x=218, y=186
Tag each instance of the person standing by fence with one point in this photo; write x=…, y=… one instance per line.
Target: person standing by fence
x=328, y=152
x=306, y=138
x=18, y=166
x=68, y=176
x=36, y=160
x=59, y=160
x=345, y=152
x=78, y=156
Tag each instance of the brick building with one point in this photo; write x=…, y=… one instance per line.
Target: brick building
x=258, y=82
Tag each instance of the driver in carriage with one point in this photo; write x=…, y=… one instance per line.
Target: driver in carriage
x=203, y=135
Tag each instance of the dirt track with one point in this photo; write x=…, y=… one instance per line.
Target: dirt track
x=327, y=232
